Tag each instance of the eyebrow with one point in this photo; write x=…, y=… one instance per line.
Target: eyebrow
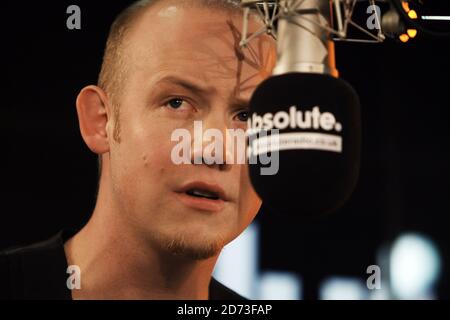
x=239, y=102
x=202, y=90
x=187, y=84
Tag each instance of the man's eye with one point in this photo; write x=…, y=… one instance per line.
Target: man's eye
x=243, y=116
x=175, y=103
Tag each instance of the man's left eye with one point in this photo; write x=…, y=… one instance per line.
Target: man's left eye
x=243, y=116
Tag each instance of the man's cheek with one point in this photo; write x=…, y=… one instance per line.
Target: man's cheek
x=248, y=198
x=246, y=183
x=252, y=199
x=157, y=157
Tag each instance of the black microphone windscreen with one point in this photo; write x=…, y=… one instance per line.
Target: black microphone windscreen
x=318, y=117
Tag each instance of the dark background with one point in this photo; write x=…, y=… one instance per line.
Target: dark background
x=49, y=176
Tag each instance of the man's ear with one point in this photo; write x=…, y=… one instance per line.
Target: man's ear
x=93, y=115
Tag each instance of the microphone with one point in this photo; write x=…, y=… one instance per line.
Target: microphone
x=304, y=118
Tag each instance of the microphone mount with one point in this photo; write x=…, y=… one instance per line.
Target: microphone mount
x=305, y=14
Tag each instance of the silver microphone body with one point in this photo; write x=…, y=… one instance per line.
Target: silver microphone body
x=303, y=44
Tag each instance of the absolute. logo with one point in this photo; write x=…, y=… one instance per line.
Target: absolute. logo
x=313, y=119
x=313, y=123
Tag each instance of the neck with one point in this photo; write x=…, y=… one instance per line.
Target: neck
x=117, y=262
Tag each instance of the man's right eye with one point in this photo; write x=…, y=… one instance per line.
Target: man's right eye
x=175, y=103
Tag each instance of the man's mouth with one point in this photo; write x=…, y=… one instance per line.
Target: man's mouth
x=205, y=190
x=203, y=194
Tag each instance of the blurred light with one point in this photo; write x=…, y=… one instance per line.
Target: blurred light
x=403, y=37
x=380, y=294
x=341, y=288
x=280, y=286
x=411, y=32
x=445, y=18
x=237, y=266
x=405, y=6
x=382, y=258
x=412, y=14
x=414, y=267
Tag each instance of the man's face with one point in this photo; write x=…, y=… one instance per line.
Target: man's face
x=168, y=50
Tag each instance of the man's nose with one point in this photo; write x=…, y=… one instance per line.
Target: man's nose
x=209, y=146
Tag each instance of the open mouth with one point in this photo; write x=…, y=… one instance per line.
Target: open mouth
x=203, y=196
x=201, y=190
x=199, y=193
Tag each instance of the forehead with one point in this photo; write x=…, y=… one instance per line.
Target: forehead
x=200, y=42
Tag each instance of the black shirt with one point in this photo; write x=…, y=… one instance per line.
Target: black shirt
x=38, y=271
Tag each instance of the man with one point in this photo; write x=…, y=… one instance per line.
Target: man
x=158, y=227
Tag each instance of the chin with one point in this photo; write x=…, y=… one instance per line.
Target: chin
x=194, y=244
x=194, y=251
x=197, y=249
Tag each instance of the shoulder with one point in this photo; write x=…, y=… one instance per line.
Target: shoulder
x=34, y=271
x=4, y=277
x=13, y=263
x=217, y=291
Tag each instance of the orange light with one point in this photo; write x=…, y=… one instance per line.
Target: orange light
x=411, y=33
x=412, y=14
x=405, y=6
x=404, y=37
